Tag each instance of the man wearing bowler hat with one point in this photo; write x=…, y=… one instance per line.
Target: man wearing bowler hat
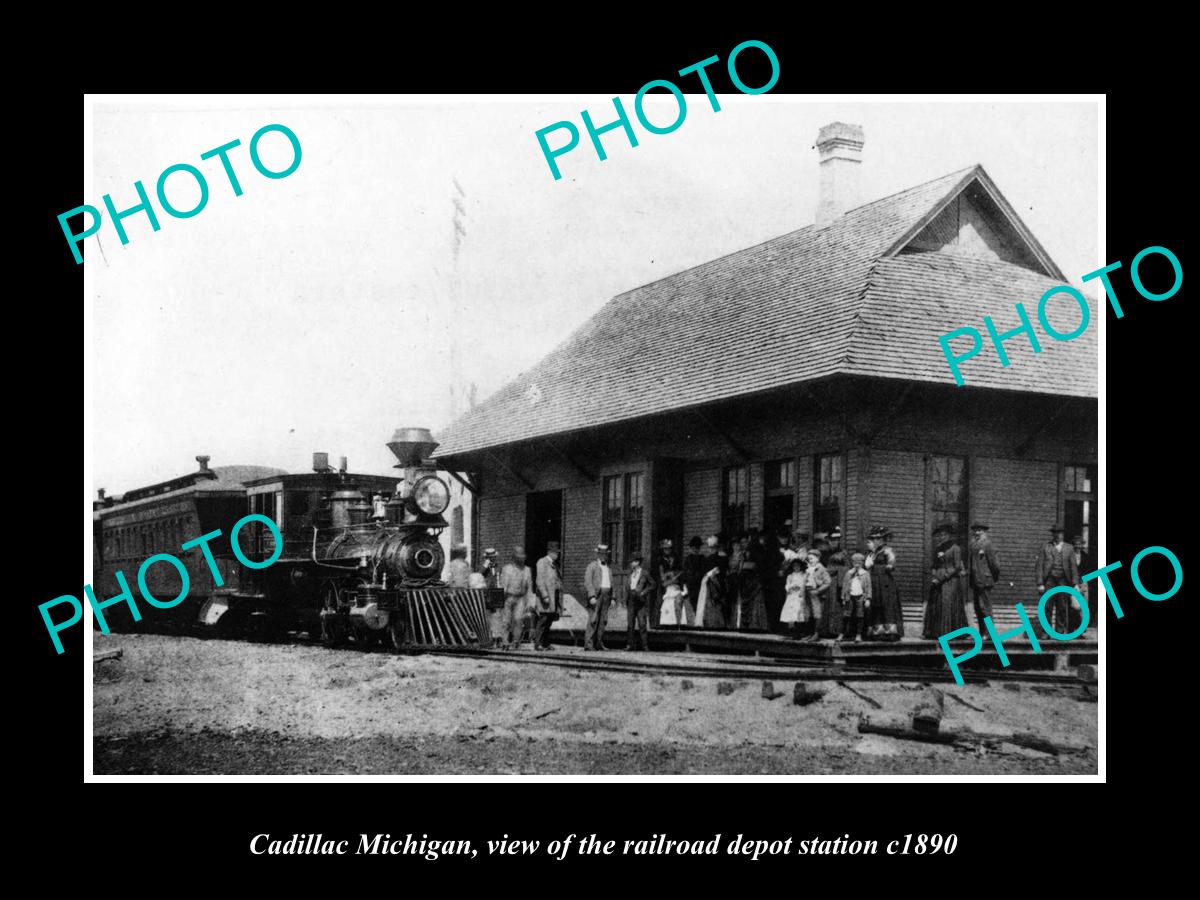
x=549, y=596
x=983, y=565
x=597, y=584
x=1055, y=567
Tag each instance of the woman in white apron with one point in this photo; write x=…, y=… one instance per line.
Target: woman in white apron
x=674, y=610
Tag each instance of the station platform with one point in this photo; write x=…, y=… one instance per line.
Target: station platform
x=909, y=651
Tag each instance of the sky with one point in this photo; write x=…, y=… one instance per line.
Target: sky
x=323, y=310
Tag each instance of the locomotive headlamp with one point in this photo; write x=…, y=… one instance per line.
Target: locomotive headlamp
x=431, y=495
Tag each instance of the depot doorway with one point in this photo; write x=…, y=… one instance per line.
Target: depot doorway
x=543, y=523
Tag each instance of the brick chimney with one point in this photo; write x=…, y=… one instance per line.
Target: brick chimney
x=840, y=146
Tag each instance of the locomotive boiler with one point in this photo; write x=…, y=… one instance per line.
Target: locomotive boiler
x=361, y=555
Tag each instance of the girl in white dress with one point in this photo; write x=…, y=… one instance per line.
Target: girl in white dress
x=793, y=607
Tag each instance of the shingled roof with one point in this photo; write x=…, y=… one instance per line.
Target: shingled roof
x=809, y=304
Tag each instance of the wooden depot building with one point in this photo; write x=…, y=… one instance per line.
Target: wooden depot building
x=801, y=379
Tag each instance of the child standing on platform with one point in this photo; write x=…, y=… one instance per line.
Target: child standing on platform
x=816, y=593
x=856, y=598
x=793, y=607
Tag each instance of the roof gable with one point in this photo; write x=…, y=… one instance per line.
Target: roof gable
x=976, y=220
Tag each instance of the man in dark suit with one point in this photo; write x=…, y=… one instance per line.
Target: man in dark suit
x=639, y=596
x=1055, y=567
x=983, y=566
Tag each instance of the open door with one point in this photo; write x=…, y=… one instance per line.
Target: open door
x=543, y=523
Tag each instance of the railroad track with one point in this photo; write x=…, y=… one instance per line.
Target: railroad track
x=781, y=670
x=682, y=665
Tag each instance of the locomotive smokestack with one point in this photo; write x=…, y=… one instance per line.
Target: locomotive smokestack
x=411, y=446
x=100, y=494
x=203, y=460
x=343, y=466
x=320, y=462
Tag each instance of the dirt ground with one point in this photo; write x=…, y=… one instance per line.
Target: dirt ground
x=181, y=705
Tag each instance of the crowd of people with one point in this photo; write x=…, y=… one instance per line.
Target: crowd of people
x=807, y=587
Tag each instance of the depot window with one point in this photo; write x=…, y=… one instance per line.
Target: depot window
x=624, y=507
x=829, y=491
x=735, y=491
x=948, y=495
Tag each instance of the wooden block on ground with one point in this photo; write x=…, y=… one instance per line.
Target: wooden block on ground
x=803, y=694
x=899, y=727
x=686, y=684
x=769, y=692
x=927, y=714
x=1088, y=674
x=724, y=687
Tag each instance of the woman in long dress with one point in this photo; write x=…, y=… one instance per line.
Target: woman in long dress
x=945, y=610
x=710, y=594
x=709, y=612
x=695, y=565
x=885, y=618
x=733, y=582
x=753, y=602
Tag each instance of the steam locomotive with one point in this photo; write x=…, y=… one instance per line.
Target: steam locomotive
x=368, y=564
